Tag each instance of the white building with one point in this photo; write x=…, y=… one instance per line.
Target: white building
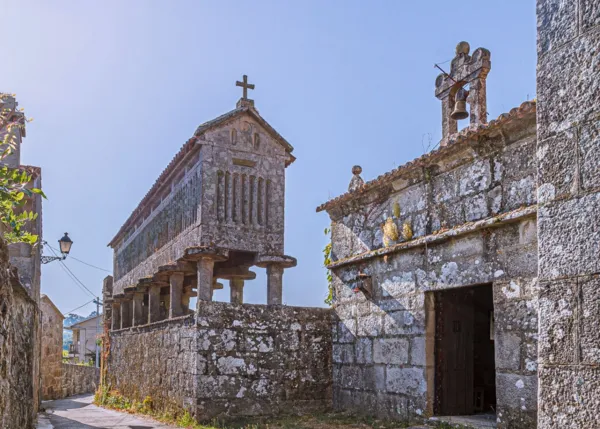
x=85, y=336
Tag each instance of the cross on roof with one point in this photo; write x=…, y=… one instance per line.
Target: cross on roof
x=246, y=86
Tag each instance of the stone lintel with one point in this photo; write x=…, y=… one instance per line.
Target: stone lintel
x=177, y=267
x=206, y=252
x=228, y=273
x=284, y=261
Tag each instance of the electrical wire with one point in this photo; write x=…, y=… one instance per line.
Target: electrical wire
x=73, y=276
x=79, y=260
x=75, y=309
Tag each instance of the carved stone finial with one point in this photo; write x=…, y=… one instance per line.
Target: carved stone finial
x=463, y=48
x=356, y=181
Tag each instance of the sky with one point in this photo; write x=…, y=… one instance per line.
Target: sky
x=115, y=88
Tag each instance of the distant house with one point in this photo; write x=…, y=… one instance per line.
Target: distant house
x=85, y=334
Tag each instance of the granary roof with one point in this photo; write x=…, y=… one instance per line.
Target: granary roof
x=525, y=109
x=188, y=147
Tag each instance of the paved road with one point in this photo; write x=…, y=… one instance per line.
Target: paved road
x=77, y=412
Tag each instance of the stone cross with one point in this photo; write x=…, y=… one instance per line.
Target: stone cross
x=246, y=86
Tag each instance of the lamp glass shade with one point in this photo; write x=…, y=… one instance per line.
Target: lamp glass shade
x=65, y=244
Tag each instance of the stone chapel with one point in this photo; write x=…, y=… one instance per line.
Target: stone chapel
x=465, y=281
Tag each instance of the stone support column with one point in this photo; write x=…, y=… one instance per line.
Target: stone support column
x=153, y=303
x=236, y=286
x=275, y=265
x=138, y=311
x=126, y=312
x=176, y=295
x=274, y=284
x=568, y=150
x=116, y=316
x=205, y=269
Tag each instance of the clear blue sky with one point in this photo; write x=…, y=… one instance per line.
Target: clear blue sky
x=116, y=87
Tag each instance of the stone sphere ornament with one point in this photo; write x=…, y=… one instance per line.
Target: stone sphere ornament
x=463, y=48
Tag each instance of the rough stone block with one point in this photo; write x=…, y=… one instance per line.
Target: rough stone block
x=589, y=322
x=508, y=350
x=417, y=351
x=408, y=381
x=568, y=397
x=569, y=237
x=590, y=14
x=343, y=353
x=374, y=378
x=557, y=166
x=519, y=193
x=578, y=63
x=351, y=377
x=370, y=325
x=398, y=284
x=404, y=322
x=556, y=22
x=364, y=350
x=347, y=331
x=558, y=319
x=517, y=391
x=589, y=153
x=390, y=351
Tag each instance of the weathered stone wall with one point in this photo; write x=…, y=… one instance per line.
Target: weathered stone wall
x=156, y=360
x=232, y=361
x=51, y=359
x=78, y=379
x=19, y=323
x=473, y=215
x=568, y=90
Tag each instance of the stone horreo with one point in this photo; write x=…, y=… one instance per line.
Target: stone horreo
x=216, y=211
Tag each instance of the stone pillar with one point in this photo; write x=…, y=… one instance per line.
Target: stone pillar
x=236, y=286
x=478, y=101
x=274, y=284
x=185, y=299
x=205, y=268
x=138, y=311
x=153, y=303
x=116, y=316
x=568, y=149
x=176, y=295
x=126, y=313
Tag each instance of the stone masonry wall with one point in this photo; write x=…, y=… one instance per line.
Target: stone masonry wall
x=568, y=90
x=51, y=359
x=156, y=360
x=473, y=215
x=234, y=360
x=78, y=379
x=19, y=320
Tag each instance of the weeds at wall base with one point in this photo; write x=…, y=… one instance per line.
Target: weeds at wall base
x=112, y=399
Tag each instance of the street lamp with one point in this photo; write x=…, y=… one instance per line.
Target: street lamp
x=65, y=244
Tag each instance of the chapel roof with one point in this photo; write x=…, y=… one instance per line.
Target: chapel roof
x=188, y=147
x=526, y=109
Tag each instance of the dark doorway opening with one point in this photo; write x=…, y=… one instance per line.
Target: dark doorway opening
x=465, y=373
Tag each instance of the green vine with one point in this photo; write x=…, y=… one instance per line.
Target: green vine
x=14, y=181
x=326, y=261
